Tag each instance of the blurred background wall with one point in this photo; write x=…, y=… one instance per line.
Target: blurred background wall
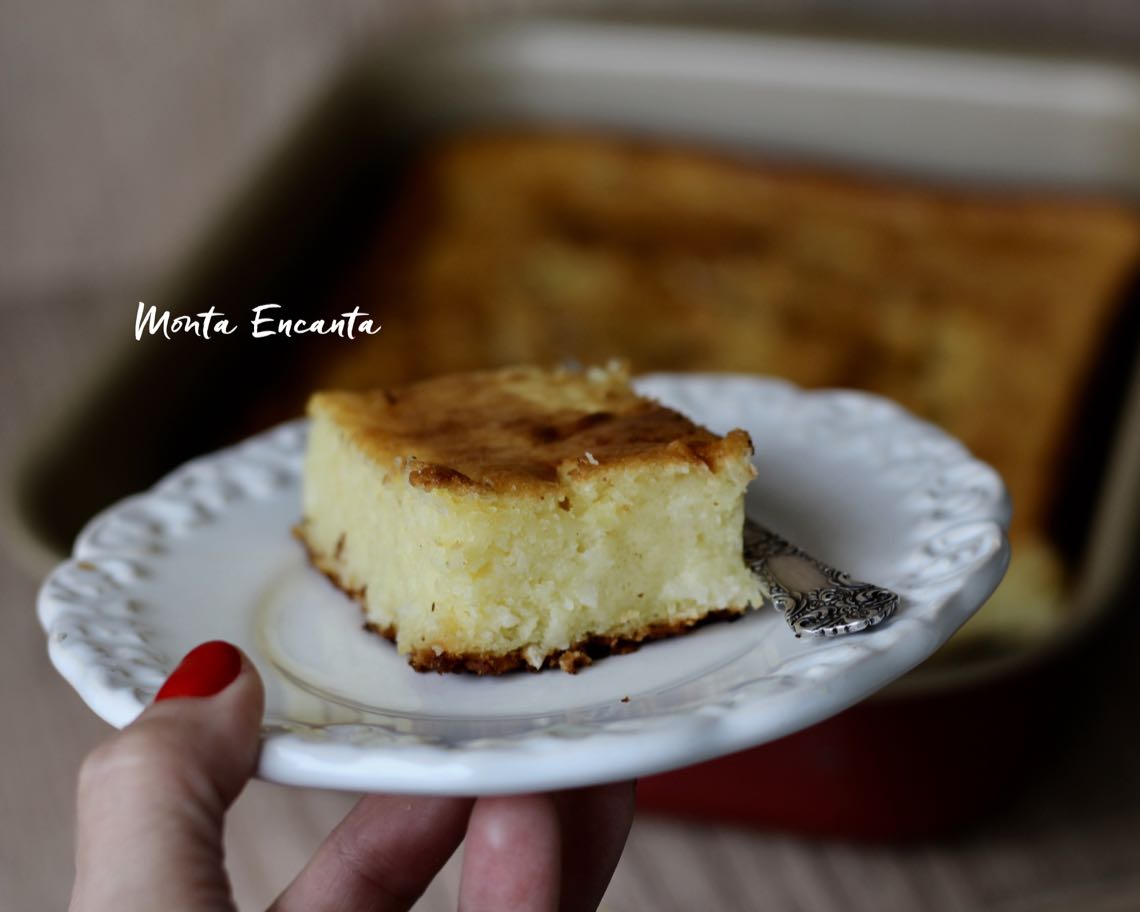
x=123, y=123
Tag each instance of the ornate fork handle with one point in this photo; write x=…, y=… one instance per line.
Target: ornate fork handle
x=816, y=600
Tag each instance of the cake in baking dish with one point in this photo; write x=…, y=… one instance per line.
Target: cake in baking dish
x=525, y=518
x=967, y=305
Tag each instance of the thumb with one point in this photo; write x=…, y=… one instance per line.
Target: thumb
x=153, y=796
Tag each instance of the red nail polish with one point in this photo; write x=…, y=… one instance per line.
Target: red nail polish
x=205, y=671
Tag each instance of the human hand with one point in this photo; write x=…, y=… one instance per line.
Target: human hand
x=152, y=799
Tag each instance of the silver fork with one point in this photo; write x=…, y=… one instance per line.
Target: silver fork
x=815, y=599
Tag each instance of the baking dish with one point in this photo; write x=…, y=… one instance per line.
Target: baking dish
x=948, y=115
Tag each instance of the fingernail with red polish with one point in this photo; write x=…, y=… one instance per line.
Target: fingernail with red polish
x=205, y=671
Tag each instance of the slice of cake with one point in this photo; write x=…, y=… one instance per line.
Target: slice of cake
x=525, y=518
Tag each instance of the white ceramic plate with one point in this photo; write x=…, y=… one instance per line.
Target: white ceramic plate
x=208, y=554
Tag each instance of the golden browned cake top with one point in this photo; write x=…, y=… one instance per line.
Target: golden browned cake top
x=521, y=428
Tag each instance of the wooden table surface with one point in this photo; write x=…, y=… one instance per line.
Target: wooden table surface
x=123, y=127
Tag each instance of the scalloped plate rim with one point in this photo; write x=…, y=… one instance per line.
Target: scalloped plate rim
x=664, y=741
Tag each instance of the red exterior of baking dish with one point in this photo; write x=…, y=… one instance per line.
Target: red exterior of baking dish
x=896, y=767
